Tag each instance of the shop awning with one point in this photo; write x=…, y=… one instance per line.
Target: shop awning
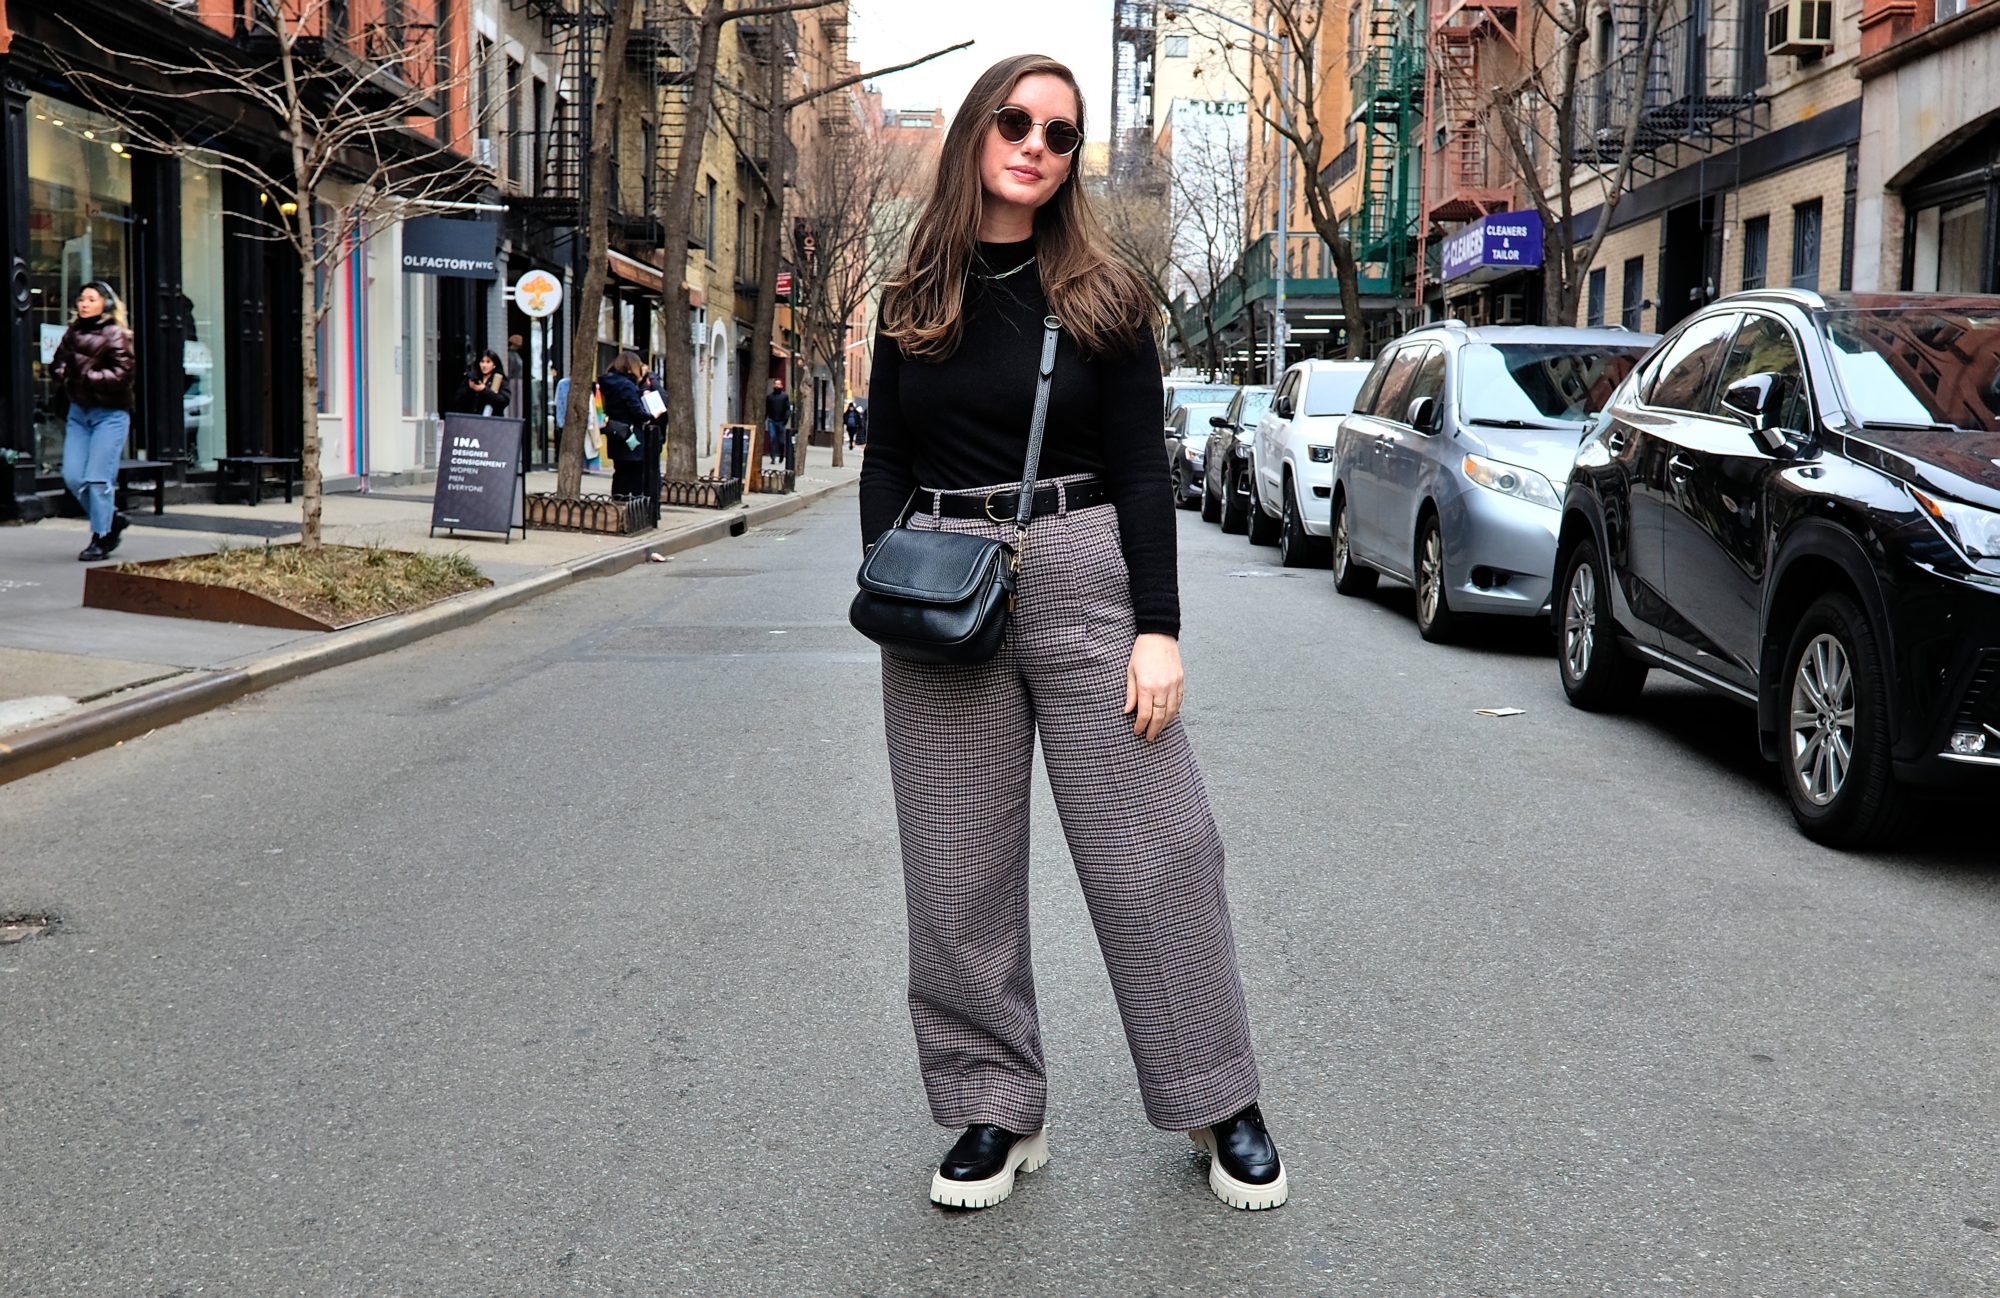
x=634, y=271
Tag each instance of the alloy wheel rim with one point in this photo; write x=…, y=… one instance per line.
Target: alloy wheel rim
x=1823, y=715
x=1580, y=622
x=1340, y=543
x=1430, y=578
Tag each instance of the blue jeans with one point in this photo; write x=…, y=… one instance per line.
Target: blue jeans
x=775, y=443
x=93, y=443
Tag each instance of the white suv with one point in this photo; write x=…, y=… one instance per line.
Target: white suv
x=1291, y=458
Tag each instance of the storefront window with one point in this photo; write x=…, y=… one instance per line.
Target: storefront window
x=204, y=358
x=79, y=229
x=419, y=345
x=1950, y=247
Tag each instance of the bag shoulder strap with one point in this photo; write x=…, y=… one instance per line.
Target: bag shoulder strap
x=1044, y=380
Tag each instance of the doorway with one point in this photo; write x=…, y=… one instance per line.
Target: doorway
x=1690, y=257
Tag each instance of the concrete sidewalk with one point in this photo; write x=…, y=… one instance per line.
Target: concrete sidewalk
x=62, y=664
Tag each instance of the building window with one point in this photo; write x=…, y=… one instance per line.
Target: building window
x=514, y=176
x=1593, y=311
x=1632, y=297
x=741, y=233
x=1176, y=47
x=539, y=149
x=1950, y=246
x=708, y=220
x=1756, y=250
x=1805, y=245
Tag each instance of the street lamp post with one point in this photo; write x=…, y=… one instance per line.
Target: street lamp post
x=1278, y=329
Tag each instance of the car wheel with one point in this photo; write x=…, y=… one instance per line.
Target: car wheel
x=1836, y=739
x=1235, y=503
x=1350, y=577
x=1263, y=528
x=1435, y=620
x=1297, y=548
x=1211, y=508
x=1597, y=675
x=1181, y=488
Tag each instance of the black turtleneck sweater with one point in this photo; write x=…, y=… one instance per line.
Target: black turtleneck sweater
x=962, y=422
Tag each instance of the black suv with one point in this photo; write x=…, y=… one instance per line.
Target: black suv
x=1795, y=500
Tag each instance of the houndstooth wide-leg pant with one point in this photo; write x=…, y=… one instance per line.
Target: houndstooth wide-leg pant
x=1136, y=815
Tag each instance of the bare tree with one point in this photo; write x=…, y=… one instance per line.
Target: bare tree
x=1139, y=224
x=612, y=79
x=772, y=170
x=1294, y=117
x=847, y=197
x=1558, y=127
x=358, y=156
x=1206, y=180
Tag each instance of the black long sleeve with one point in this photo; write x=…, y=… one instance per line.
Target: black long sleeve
x=962, y=423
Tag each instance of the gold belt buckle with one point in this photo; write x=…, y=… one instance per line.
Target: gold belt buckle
x=992, y=496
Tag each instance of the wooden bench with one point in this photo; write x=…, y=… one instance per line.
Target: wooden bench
x=154, y=471
x=250, y=474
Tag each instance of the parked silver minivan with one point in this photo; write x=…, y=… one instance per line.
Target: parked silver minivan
x=1449, y=473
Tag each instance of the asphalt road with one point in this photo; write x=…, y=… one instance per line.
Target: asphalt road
x=563, y=955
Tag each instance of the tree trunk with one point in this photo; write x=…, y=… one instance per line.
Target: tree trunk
x=596, y=246
x=310, y=492
x=769, y=255
x=676, y=225
x=1349, y=272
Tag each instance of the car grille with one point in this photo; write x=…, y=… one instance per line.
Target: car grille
x=1981, y=705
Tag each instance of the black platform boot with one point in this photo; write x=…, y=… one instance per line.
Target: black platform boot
x=979, y=1170
x=1244, y=1169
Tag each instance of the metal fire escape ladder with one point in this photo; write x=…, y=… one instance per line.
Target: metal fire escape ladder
x=1687, y=89
x=1132, y=38
x=1388, y=114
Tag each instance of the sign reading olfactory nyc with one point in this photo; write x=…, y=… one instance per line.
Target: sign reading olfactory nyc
x=437, y=245
x=1496, y=245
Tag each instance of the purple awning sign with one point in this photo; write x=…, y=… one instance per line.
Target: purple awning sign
x=1502, y=242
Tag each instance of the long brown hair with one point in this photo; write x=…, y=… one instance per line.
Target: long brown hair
x=1095, y=295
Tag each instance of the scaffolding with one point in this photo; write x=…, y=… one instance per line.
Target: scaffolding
x=1388, y=117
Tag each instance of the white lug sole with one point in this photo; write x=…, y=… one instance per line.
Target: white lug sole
x=1029, y=1154
x=1235, y=1193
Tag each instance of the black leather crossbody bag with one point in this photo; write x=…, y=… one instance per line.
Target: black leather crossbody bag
x=944, y=597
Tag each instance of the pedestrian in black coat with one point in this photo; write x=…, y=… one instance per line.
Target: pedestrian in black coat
x=625, y=418
x=485, y=391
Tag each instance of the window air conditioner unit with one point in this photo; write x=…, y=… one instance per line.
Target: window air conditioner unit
x=486, y=153
x=1799, y=27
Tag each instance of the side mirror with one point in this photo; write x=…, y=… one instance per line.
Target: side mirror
x=1423, y=414
x=1753, y=399
x=1218, y=421
x=1282, y=407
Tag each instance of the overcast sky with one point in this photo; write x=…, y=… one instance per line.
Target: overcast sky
x=1078, y=32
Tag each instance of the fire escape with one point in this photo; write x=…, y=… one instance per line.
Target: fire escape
x=1465, y=179
x=1132, y=41
x=1692, y=91
x=1388, y=116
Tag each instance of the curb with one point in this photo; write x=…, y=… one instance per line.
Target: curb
x=147, y=709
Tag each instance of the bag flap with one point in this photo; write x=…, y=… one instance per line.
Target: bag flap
x=929, y=567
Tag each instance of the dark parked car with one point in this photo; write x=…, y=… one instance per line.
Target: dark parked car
x=1795, y=501
x=1187, y=443
x=1226, y=461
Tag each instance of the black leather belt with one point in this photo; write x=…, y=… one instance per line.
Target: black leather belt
x=999, y=506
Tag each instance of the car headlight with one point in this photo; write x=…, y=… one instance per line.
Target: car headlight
x=1320, y=454
x=1975, y=531
x=1509, y=480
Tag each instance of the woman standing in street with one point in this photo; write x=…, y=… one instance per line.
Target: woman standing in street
x=624, y=415
x=1091, y=659
x=93, y=366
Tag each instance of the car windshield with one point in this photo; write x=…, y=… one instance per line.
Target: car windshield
x=1254, y=406
x=1218, y=396
x=1537, y=383
x=1198, y=416
x=1331, y=392
x=1926, y=367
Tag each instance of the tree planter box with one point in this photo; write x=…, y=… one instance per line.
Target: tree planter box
x=136, y=590
x=606, y=514
x=776, y=483
x=703, y=493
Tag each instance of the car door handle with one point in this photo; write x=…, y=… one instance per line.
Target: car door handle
x=1679, y=468
x=1614, y=441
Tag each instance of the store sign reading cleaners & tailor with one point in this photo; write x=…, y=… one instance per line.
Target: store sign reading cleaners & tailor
x=1498, y=243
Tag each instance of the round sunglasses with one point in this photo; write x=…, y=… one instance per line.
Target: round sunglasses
x=1059, y=134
